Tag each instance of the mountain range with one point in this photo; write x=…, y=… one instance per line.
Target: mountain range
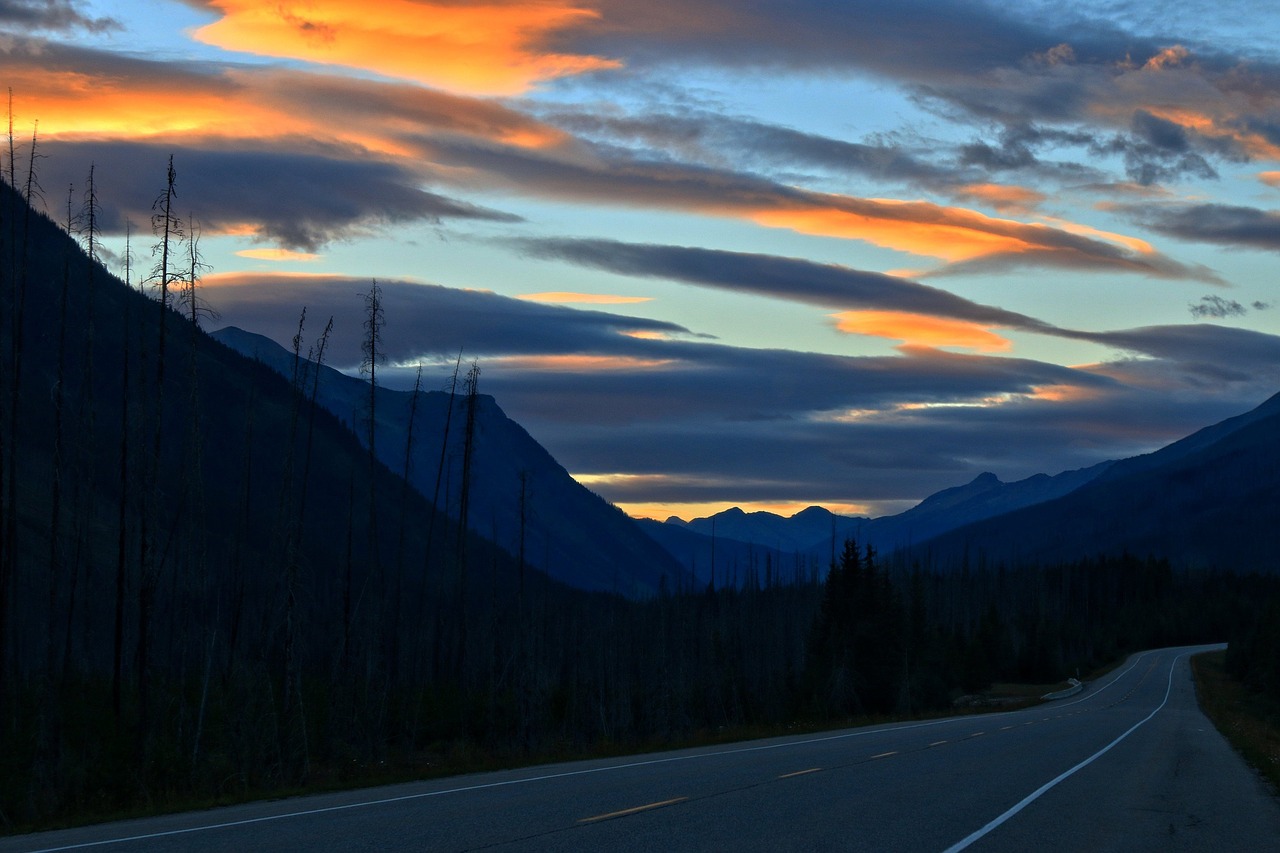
x=1210, y=500
x=1207, y=500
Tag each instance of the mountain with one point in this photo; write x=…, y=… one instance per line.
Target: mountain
x=569, y=531
x=804, y=543
x=736, y=562
x=769, y=530
x=1211, y=499
x=983, y=497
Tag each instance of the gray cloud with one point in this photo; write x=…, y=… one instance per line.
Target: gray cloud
x=54, y=15
x=1229, y=225
x=1217, y=307
x=825, y=285
x=720, y=141
x=726, y=193
x=996, y=67
x=292, y=198
x=424, y=320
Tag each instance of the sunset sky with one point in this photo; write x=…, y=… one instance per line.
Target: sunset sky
x=716, y=252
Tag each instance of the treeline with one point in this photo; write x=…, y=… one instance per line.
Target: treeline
x=903, y=639
x=210, y=587
x=1253, y=655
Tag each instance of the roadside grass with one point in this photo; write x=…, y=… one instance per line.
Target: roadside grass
x=1249, y=721
x=462, y=758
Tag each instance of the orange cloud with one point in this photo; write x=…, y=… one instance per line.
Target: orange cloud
x=1169, y=57
x=1271, y=179
x=86, y=104
x=1133, y=244
x=568, y=298
x=1004, y=197
x=489, y=49
x=949, y=233
x=138, y=99
x=277, y=255
x=1219, y=123
x=688, y=510
x=920, y=330
x=575, y=363
x=1065, y=393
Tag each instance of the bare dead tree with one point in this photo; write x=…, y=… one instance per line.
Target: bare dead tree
x=435, y=495
x=167, y=229
x=13, y=175
x=54, y=568
x=317, y=367
x=292, y=710
x=371, y=347
x=19, y=272
x=464, y=502
x=405, y=471
x=193, y=305
x=122, y=527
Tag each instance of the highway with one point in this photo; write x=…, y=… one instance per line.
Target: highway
x=1128, y=764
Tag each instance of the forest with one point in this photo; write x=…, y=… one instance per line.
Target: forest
x=210, y=587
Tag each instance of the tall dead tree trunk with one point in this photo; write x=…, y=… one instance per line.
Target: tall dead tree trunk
x=397, y=615
x=122, y=531
x=166, y=228
x=54, y=568
x=464, y=502
x=435, y=511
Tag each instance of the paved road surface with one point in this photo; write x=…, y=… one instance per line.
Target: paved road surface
x=1130, y=764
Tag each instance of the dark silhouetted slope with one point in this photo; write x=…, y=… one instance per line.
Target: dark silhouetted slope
x=1209, y=500
x=569, y=531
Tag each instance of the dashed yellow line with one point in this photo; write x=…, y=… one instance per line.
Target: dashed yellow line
x=633, y=810
x=800, y=772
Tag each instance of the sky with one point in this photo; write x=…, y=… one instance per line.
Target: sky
x=713, y=253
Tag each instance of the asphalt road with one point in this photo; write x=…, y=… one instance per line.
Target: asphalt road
x=1129, y=764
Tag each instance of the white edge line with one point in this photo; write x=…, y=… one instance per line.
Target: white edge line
x=547, y=777
x=1038, y=792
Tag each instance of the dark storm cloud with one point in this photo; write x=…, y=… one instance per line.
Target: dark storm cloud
x=1229, y=225
x=294, y=199
x=53, y=15
x=825, y=285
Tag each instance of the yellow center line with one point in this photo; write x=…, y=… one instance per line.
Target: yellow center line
x=633, y=810
x=885, y=754
x=800, y=772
